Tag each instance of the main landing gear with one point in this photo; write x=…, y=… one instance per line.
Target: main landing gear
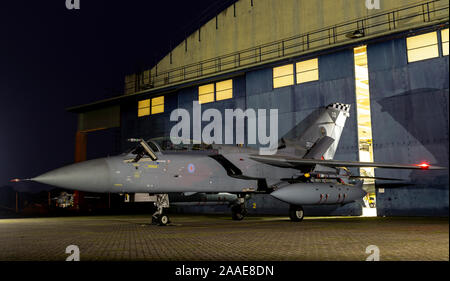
x=238, y=210
x=296, y=213
x=160, y=217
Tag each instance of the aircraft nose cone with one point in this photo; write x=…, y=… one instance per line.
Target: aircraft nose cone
x=91, y=176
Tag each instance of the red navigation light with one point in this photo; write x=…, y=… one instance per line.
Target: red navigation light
x=424, y=166
x=15, y=180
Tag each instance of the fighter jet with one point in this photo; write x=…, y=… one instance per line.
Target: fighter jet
x=302, y=172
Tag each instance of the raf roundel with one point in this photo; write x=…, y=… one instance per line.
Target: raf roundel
x=191, y=168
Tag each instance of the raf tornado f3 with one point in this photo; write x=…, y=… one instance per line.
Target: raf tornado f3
x=302, y=172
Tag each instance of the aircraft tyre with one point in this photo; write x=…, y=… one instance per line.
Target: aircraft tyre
x=160, y=219
x=163, y=220
x=296, y=213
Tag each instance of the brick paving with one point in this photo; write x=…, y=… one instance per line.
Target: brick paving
x=200, y=238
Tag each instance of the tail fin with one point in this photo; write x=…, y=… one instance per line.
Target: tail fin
x=328, y=122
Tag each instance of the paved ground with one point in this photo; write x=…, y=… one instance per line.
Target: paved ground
x=197, y=238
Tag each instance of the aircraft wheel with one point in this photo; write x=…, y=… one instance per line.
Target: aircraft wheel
x=237, y=213
x=296, y=213
x=163, y=220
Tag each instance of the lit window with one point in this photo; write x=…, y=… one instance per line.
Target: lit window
x=206, y=93
x=283, y=76
x=144, y=108
x=158, y=105
x=422, y=47
x=444, y=37
x=307, y=71
x=224, y=90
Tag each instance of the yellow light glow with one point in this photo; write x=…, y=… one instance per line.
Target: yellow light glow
x=283, y=76
x=144, y=103
x=363, y=109
x=158, y=109
x=206, y=98
x=308, y=65
x=422, y=47
x=307, y=71
x=224, y=90
x=444, y=36
x=158, y=101
x=158, y=105
x=144, y=107
x=143, y=111
x=206, y=93
x=364, y=121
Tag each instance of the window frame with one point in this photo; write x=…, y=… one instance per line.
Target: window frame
x=152, y=106
x=282, y=76
x=144, y=107
x=298, y=73
x=443, y=42
x=436, y=45
x=214, y=91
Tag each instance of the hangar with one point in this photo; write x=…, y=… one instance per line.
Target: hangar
x=389, y=62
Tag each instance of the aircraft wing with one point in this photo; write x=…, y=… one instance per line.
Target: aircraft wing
x=286, y=161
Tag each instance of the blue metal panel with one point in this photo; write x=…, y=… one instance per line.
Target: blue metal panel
x=409, y=104
x=387, y=55
x=308, y=96
x=336, y=65
x=281, y=99
x=186, y=96
x=432, y=73
x=239, y=87
x=259, y=81
x=384, y=84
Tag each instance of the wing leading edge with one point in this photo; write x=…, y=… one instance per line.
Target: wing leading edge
x=285, y=161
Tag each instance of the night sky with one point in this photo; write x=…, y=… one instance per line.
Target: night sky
x=53, y=58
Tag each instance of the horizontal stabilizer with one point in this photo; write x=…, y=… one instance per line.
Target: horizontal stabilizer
x=319, y=148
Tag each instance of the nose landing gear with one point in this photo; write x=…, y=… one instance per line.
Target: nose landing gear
x=160, y=217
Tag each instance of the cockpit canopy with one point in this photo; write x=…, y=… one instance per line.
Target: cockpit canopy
x=165, y=144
